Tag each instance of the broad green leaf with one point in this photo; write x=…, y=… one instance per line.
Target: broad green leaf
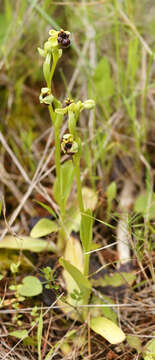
x=26, y=243
x=107, y=329
x=73, y=254
x=44, y=227
x=117, y=279
x=73, y=219
x=106, y=311
x=48, y=208
x=31, y=286
x=86, y=230
x=67, y=173
x=134, y=342
x=141, y=205
x=39, y=335
x=20, y=334
x=82, y=282
x=150, y=350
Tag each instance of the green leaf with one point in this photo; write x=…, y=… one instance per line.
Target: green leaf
x=31, y=286
x=107, y=329
x=74, y=255
x=106, y=311
x=73, y=219
x=39, y=335
x=141, y=204
x=44, y=227
x=117, y=279
x=67, y=173
x=48, y=208
x=134, y=342
x=26, y=243
x=82, y=282
x=86, y=230
x=20, y=334
x=149, y=353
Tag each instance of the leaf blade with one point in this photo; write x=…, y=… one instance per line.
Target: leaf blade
x=43, y=227
x=26, y=243
x=107, y=329
x=82, y=282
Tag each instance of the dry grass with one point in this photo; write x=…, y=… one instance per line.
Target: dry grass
x=120, y=147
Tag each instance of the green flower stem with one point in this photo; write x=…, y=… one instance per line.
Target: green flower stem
x=52, y=114
x=57, y=153
x=54, y=63
x=56, y=121
x=76, y=160
x=61, y=237
x=58, y=170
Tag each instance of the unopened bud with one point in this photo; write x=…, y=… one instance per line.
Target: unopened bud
x=89, y=104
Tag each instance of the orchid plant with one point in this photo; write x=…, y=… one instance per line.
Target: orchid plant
x=75, y=273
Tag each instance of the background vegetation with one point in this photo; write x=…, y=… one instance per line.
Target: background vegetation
x=111, y=59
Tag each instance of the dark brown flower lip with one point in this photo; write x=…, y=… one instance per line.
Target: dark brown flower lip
x=68, y=145
x=63, y=39
x=67, y=103
x=63, y=34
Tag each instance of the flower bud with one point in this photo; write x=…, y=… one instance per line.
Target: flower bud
x=89, y=104
x=46, y=97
